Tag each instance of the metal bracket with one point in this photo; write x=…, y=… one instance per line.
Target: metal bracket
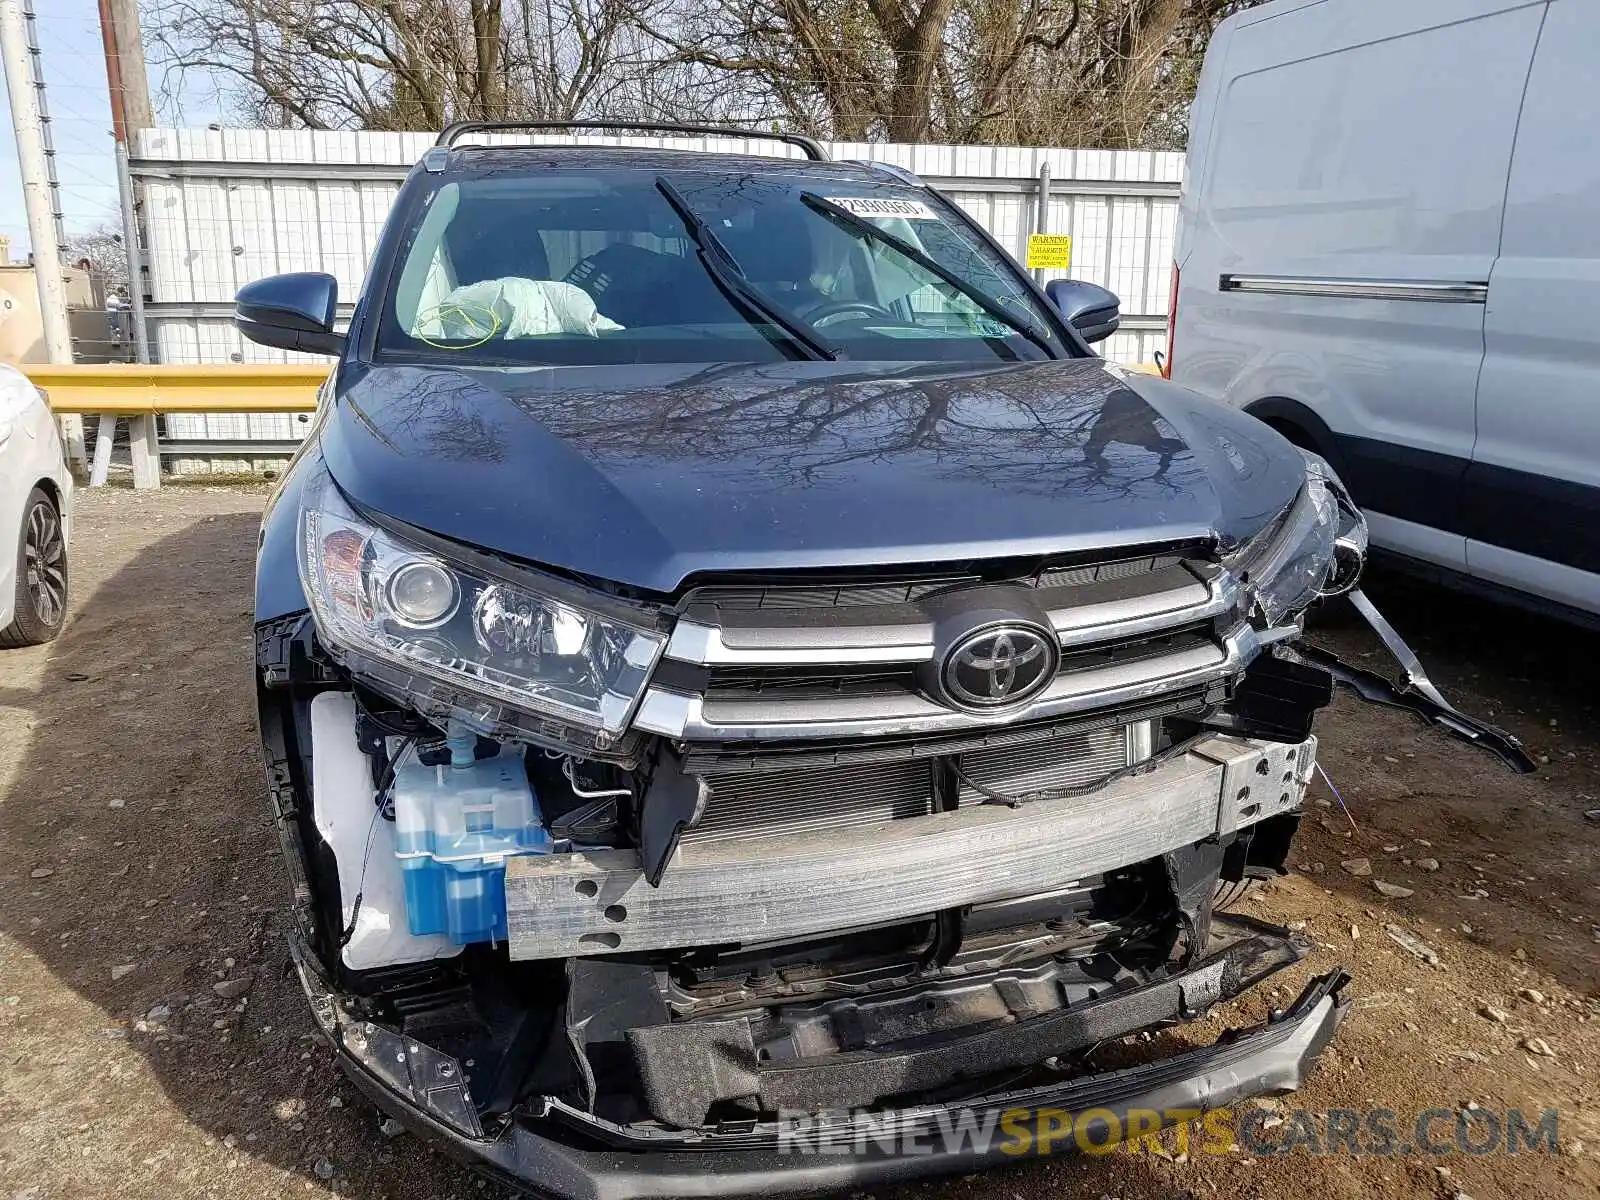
x=427, y=1078
x=671, y=803
x=1418, y=695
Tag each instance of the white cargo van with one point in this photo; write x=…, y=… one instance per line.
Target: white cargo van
x=1389, y=248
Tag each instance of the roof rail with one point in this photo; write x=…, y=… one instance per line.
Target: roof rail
x=900, y=173
x=812, y=148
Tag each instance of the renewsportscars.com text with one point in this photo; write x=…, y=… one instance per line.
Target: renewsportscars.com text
x=1376, y=1132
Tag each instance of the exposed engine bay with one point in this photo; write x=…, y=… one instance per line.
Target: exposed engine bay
x=493, y=900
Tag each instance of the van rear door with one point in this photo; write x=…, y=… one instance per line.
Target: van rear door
x=1338, y=241
x=1533, y=490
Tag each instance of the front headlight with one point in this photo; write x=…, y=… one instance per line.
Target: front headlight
x=494, y=638
x=1315, y=549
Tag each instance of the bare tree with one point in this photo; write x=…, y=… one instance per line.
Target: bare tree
x=322, y=64
x=570, y=57
x=852, y=69
x=101, y=252
x=1112, y=73
x=416, y=64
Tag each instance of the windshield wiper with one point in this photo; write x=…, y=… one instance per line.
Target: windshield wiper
x=991, y=306
x=726, y=274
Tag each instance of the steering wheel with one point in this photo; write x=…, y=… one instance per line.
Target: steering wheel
x=832, y=312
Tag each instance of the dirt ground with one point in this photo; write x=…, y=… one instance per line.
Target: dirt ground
x=138, y=873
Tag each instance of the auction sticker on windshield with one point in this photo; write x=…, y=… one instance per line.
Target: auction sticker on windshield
x=884, y=206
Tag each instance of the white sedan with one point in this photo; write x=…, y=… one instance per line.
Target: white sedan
x=35, y=515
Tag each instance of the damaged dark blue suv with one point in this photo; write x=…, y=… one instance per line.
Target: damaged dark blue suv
x=740, y=678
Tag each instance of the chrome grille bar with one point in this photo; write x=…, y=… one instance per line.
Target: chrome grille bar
x=711, y=645
x=779, y=645
x=692, y=717
x=1086, y=624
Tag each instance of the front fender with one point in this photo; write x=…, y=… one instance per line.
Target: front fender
x=278, y=590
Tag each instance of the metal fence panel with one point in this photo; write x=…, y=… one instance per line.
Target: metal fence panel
x=224, y=206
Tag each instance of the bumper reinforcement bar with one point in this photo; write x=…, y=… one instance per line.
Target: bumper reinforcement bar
x=779, y=888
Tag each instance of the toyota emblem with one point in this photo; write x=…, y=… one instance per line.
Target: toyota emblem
x=999, y=666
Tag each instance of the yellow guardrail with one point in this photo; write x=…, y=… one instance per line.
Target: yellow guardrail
x=131, y=390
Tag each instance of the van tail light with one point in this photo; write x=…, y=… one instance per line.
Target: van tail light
x=1172, y=322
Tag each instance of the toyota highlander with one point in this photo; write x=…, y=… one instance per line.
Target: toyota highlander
x=734, y=662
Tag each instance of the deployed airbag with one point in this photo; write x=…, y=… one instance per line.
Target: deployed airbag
x=515, y=307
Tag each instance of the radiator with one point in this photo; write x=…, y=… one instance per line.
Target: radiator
x=760, y=804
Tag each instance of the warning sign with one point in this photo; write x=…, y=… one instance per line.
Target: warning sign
x=1049, y=251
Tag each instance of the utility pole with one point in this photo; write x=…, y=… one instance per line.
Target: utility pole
x=130, y=112
x=22, y=86
x=123, y=19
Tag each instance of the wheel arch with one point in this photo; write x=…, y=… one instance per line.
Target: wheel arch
x=1300, y=425
x=51, y=488
x=20, y=625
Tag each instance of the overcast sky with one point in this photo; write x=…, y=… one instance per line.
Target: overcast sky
x=80, y=112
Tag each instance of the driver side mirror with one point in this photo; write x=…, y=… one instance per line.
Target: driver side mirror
x=291, y=312
x=1089, y=308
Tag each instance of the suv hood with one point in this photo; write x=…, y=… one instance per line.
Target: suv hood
x=646, y=475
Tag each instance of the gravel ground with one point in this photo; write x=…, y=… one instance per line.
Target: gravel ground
x=153, y=1042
